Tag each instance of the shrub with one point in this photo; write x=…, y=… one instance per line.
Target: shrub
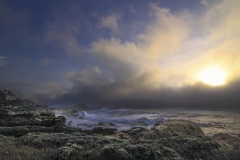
x=65, y=152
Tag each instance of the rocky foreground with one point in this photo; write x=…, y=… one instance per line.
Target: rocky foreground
x=27, y=134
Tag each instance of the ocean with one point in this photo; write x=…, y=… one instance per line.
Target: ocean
x=210, y=121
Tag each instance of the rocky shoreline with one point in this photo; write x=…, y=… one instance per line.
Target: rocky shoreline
x=43, y=131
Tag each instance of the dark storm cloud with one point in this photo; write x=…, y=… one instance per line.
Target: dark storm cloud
x=92, y=88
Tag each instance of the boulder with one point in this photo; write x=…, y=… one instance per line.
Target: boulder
x=47, y=114
x=230, y=145
x=106, y=124
x=72, y=113
x=178, y=128
x=81, y=107
x=98, y=108
x=115, y=107
x=224, y=137
x=166, y=129
x=140, y=124
x=51, y=121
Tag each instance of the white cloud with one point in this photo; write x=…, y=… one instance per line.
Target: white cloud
x=138, y=61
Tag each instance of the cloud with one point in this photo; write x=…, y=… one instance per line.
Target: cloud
x=156, y=68
x=136, y=59
x=222, y=31
x=111, y=22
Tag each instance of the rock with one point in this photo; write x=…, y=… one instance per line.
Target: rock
x=2, y=96
x=98, y=108
x=26, y=115
x=135, y=131
x=178, y=128
x=140, y=123
x=81, y=107
x=115, y=107
x=230, y=145
x=72, y=113
x=48, y=114
x=106, y=124
x=166, y=129
x=70, y=123
x=224, y=137
x=51, y=121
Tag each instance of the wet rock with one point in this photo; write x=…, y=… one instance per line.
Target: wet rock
x=49, y=114
x=81, y=107
x=106, y=124
x=98, y=108
x=140, y=123
x=51, y=121
x=70, y=123
x=72, y=113
x=115, y=107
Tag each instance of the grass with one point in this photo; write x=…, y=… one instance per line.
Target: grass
x=12, y=150
x=75, y=146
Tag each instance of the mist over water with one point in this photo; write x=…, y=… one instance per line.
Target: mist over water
x=211, y=122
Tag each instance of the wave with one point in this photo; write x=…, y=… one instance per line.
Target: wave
x=119, y=120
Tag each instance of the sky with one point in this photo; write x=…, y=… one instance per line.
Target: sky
x=130, y=53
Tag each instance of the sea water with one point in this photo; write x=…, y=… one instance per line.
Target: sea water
x=211, y=122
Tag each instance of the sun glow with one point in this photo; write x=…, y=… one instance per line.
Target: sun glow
x=213, y=76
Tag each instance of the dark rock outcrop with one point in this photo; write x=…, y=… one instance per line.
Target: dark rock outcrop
x=115, y=107
x=166, y=129
x=140, y=123
x=43, y=119
x=72, y=113
x=230, y=145
x=81, y=107
x=106, y=124
x=178, y=128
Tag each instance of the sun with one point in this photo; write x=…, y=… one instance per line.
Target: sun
x=213, y=75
